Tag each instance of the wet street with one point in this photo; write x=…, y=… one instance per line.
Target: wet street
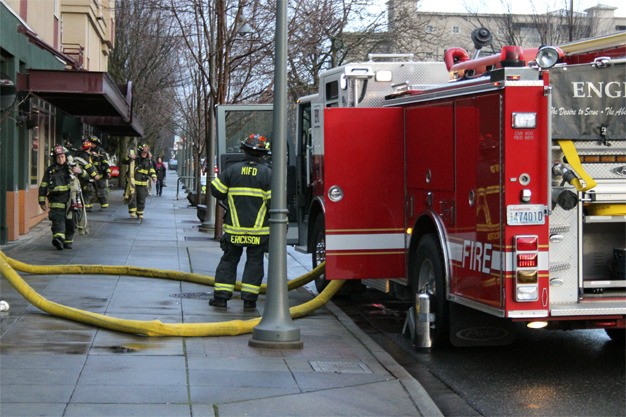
x=544, y=373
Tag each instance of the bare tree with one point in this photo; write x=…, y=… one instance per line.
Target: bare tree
x=145, y=52
x=326, y=33
x=550, y=23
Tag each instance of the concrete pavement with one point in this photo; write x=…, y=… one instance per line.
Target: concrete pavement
x=55, y=367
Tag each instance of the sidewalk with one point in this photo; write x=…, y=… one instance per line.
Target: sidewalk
x=54, y=367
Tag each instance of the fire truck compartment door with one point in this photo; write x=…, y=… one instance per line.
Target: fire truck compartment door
x=364, y=193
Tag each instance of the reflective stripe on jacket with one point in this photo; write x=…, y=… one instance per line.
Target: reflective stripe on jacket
x=55, y=185
x=246, y=187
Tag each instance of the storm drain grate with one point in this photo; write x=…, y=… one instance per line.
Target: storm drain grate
x=192, y=295
x=189, y=221
x=197, y=238
x=340, y=367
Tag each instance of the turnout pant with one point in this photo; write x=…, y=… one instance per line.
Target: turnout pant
x=226, y=272
x=102, y=192
x=138, y=203
x=88, y=193
x=61, y=226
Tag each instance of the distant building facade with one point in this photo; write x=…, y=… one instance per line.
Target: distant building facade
x=440, y=31
x=55, y=89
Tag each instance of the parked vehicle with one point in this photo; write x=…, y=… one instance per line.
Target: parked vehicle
x=503, y=197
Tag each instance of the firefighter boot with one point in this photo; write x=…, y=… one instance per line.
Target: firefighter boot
x=58, y=243
x=249, y=305
x=217, y=302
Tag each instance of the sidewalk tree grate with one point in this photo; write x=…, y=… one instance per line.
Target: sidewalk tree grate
x=197, y=238
x=193, y=295
x=189, y=221
x=340, y=367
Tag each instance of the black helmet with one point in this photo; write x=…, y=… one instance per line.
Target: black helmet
x=143, y=146
x=95, y=139
x=257, y=143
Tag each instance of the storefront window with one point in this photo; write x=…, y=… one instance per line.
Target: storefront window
x=42, y=138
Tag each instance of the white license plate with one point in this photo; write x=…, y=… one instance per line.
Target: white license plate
x=525, y=214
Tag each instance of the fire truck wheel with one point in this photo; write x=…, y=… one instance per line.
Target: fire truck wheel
x=319, y=251
x=617, y=335
x=428, y=277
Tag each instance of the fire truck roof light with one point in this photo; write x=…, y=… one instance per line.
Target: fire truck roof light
x=512, y=56
x=547, y=57
x=526, y=243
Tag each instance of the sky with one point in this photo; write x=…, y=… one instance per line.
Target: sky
x=518, y=6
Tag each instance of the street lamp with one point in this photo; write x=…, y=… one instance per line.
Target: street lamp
x=276, y=329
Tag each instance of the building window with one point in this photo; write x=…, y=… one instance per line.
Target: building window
x=42, y=138
x=456, y=30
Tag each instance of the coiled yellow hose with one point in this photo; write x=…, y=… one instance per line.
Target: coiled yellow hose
x=8, y=267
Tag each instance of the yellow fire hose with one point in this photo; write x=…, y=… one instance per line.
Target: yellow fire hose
x=8, y=268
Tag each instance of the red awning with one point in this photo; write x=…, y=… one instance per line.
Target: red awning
x=91, y=96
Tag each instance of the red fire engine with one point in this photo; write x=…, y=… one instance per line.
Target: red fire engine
x=489, y=191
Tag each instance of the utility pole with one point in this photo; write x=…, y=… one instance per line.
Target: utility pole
x=276, y=329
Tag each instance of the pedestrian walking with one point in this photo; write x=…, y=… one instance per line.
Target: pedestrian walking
x=140, y=172
x=161, y=173
x=246, y=188
x=60, y=192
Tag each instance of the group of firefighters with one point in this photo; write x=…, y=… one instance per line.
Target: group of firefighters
x=79, y=177
x=70, y=184
x=244, y=186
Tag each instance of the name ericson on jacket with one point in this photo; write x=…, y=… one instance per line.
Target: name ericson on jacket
x=246, y=188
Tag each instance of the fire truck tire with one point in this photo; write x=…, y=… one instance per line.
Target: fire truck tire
x=428, y=277
x=617, y=335
x=319, y=251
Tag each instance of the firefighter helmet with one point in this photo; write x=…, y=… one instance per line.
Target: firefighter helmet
x=86, y=145
x=143, y=147
x=256, y=143
x=96, y=140
x=59, y=150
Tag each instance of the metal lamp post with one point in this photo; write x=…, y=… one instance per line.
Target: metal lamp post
x=276, y=329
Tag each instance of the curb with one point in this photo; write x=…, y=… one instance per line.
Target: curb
x=416, y=391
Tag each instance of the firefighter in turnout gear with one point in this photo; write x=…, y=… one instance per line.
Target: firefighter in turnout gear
x=100, y=160
x=83, y=158
x=57, y=186
x=246, y=188
x=143, y=172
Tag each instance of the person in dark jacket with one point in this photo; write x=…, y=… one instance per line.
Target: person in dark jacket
x=100, y=160
x=246, y=188
x=59, y=187
x=142, y=167
x=83, y=158
x=161, y=173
